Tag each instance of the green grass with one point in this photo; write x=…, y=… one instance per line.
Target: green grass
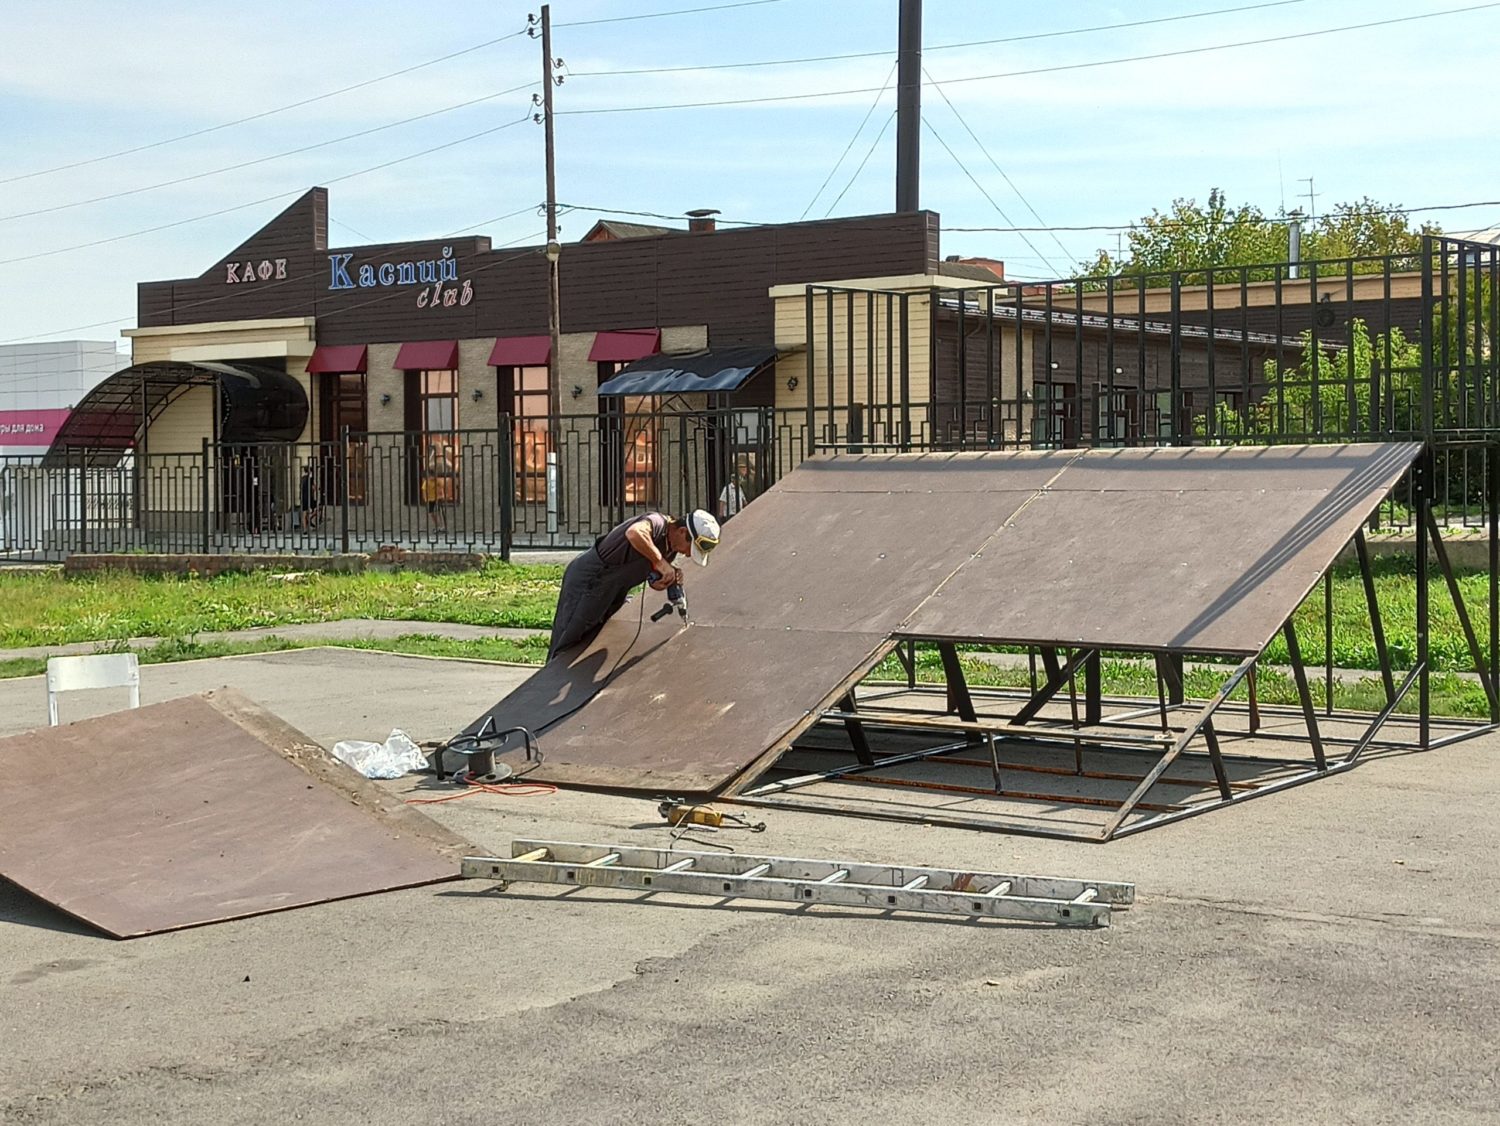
x=49, y=609
x=525, y=651
x=1451, y=695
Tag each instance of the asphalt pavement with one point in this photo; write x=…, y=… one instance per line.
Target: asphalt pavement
x=1328, y=954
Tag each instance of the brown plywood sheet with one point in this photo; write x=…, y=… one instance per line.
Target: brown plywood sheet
x=566, y=684
x=710, y=702
x=846, y=562
x=1202, y=550
x=200, y=810
x=983, y=472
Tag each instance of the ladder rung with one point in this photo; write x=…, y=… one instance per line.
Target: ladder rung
x=886, y=888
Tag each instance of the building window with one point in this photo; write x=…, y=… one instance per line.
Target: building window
x=523, y=395
x=631, y=430
x=641, y=438
x=432, y=437
x=1159, y=425
x=1055, y=411
x=343, y=406
x=1114, y=423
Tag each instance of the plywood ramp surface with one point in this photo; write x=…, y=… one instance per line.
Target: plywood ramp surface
x=704, y=705
x=199, y=810
x=1204, y=550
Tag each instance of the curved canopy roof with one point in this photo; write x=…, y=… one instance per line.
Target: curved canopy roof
x=257, y=404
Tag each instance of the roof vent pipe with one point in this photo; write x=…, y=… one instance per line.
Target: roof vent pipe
x=701, y=221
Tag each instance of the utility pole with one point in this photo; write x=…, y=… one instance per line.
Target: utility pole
x=909, y=106
x=554, y=248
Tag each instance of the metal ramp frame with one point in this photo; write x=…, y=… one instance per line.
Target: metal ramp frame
x=1134, y=731
x=883, y=887
x=1166, y=555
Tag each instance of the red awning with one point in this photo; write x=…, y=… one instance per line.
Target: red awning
x=626, y=345
x=521, y=351
x=338, y=358
x=428, y=355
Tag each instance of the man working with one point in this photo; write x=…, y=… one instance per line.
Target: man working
x=597, y=583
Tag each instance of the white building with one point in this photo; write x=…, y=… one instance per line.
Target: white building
x=40, y=383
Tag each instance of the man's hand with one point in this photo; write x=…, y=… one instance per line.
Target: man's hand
x=669, y=575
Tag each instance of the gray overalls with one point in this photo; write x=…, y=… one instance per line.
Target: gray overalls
x=597, y=583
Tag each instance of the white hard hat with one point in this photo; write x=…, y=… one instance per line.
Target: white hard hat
x=704, y=529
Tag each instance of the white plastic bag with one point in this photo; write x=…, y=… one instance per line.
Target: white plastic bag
x=398, y=755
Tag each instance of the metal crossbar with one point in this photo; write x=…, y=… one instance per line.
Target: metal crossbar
x=886, y=887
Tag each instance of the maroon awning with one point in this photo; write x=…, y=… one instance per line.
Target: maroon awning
x=338, y=358
x=625, y=345
x=521, y=351
x=428, y=355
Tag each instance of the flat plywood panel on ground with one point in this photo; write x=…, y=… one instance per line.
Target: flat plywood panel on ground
x=1202, y=550
x=710, y=702
x=199, y=810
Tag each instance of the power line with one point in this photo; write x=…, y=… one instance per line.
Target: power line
x=1047, y=69
x=265, y=199
x=943, y=94
x=675, y=12
x=392, y=248
x=927, y=48
x=984, y=193
x=871, y=152
x=836, y=164
x=1135, y=225
x=263, y=113
x=266, y=159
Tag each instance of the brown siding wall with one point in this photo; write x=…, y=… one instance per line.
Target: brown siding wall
x=718, y=279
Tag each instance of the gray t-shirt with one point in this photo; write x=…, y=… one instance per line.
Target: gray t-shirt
x=615, y=550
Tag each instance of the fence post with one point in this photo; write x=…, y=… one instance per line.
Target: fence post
x=204, y=505
x=83, y=500
x=508, y=484
x=344, y=490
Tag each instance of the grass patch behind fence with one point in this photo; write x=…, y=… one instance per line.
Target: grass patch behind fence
x=523, y=651
x=1451, y=695
x=49, y=609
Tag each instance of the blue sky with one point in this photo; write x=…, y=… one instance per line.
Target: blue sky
x=1395, y=112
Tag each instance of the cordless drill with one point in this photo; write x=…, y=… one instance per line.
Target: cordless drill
x=676, y=600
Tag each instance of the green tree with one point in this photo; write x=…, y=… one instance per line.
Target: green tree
x=1191, y=237
x=1328, y=392
x=1363, y=227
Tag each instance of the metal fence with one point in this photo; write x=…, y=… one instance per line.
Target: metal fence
x=1353, y=350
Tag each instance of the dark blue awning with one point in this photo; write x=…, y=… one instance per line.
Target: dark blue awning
x=713, y=369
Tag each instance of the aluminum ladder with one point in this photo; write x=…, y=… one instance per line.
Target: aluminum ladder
x=885, y=887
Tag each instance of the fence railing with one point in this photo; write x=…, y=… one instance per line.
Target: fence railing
x=1401, y=347
x=554, y=483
